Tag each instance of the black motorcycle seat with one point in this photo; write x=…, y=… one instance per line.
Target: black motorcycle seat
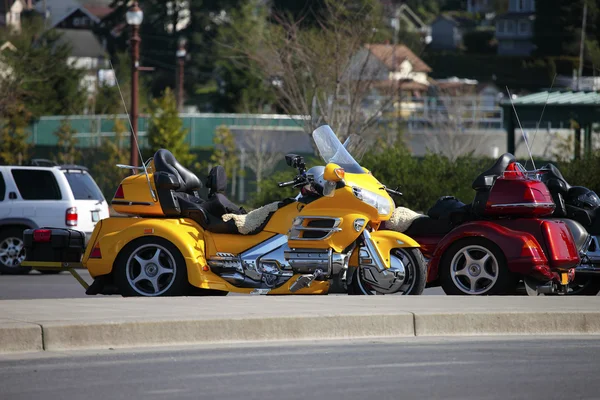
x=165, y=161
x=427, y=226
x=486, y=180
x=445, y=207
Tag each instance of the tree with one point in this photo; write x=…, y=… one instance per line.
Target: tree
x=263, y=150
x=40, y=72
x=557, y=29
x=326, y=72
x=14, y=144
x=67, y=143
x=225, y=153
x=451, y=127
x=112, y=151
x=166, y=130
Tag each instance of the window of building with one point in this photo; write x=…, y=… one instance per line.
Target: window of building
x=76, y=22
x=500, y=26
x=524, y=28
x=510, y=26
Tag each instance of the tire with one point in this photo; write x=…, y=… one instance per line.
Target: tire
x=143, y=268
x=416, y=269
x=475, y=279
x=584, y=287
x=12, y=252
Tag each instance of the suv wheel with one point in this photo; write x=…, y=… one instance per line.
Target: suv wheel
x=12, y=252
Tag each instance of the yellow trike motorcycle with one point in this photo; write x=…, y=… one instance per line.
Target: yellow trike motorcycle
x=176, y=243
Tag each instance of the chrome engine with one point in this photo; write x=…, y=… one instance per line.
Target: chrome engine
x=272, y=263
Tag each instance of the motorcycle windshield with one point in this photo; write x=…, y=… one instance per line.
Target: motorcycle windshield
x=332, y=151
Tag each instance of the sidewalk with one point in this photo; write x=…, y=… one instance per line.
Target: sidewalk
x=115, y=322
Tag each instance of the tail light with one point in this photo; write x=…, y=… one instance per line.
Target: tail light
x=42, y=235
x=96, y=253
x=119, y=193
x=71, y=216
x=531, y=249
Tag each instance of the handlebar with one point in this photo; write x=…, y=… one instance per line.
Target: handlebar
x=285, y=184
x=391, y=191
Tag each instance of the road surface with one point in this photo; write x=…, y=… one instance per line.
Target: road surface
x=417, y=368
x=63, y=285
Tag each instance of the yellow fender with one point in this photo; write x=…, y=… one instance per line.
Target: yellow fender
x=118, y=232
x=385, y=241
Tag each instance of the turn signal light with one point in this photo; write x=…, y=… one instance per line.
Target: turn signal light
x=120, y=194
x=42, y=235
x=340, y=172
x=96, y=253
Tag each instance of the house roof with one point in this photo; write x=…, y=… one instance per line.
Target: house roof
x=457, y=20
x=60, y=9
x=558, y=98
x=83, y=42
x=8, y=45
x=98, y=11
x=386, y=53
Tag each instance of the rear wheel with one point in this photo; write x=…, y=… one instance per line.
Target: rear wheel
x=151, y=267
x=12, y=252
x=584, y=286
x=475, y=267
x=415, y=274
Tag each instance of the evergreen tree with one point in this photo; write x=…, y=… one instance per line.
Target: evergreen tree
x=15, y=148
x=67, y=143
x=166, y=130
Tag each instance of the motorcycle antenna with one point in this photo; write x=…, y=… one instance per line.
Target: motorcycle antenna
x=521, y=127
x=137, y=145
x=541, y=116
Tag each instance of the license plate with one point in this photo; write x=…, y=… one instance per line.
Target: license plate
x=95, y=216
x=564, y=278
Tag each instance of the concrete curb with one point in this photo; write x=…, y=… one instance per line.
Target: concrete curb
x=61, y=336
x=114, y=322
x=20, y=337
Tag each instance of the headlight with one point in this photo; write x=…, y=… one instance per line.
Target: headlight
x=384, y=205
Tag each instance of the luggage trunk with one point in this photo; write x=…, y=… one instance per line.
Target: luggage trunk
x=54, y=245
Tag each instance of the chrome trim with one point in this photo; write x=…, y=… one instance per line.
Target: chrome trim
x=359, y=223
x=297, y=227
x=530, y=205
x=250, y=258
x=373, y=253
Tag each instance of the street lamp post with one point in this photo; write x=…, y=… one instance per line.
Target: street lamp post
x=134, y=16
x=181, y=54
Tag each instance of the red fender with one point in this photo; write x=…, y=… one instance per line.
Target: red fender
x=521, y=249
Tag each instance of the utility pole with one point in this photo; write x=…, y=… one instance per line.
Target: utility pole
x=582, y=44
x=134, y=17
x=181, y=54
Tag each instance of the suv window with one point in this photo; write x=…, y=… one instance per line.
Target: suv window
x=2, y=187
x=83, y=186
x=36, y=184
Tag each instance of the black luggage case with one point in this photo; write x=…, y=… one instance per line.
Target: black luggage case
x=54, y=244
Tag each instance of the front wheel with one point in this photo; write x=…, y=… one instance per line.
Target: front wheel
x=411, y=261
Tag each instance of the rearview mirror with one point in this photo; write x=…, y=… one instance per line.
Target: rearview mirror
x=294, y=160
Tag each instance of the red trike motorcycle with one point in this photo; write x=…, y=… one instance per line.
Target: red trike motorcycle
x=488, y=246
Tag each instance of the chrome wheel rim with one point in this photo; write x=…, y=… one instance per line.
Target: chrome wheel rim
x=397, y=256
x=474, y=270
x=151, y=270
x=12, y=252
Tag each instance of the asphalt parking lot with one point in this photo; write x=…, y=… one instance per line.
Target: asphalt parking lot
x=417, y=368
x=63, y=285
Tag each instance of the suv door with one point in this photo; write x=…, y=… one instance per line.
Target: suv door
x=4, y=202
x=39, y=197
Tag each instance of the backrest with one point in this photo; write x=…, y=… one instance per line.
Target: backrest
x=165, y=161
x=486, y=180
x=217, y=180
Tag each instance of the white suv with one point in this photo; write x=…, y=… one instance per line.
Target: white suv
x=34, y=197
